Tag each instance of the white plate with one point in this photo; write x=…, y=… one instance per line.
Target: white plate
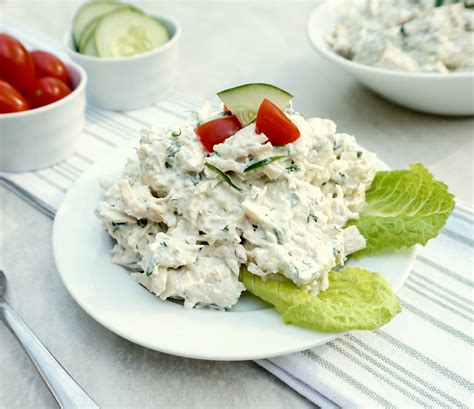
x=251, y=330
x=445, y=94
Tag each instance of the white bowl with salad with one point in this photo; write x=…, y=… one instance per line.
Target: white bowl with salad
x=234, y=211
x=129, y=56
x=417, y=54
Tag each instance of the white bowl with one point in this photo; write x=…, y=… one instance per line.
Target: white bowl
x=130, y=82
x=444, y=94
x=40, y=137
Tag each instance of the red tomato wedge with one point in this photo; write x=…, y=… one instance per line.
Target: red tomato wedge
x=11, y=100
x=47, y=65
x=217, y=131
x=276, y=126
x=16, y=64
x=48, y=90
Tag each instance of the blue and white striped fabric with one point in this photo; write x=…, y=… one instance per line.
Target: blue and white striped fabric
x=423, y=358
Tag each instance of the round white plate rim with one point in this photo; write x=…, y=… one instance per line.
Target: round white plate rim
x=305, y=342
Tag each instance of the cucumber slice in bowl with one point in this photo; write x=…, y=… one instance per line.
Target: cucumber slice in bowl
x=86, y=14
x=87, y=34
x=89, y=47
x=126, y=32
x=243, y=101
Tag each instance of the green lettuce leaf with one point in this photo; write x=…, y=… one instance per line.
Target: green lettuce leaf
x=403, y=208
x=356, y=299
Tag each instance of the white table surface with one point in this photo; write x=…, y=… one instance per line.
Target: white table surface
x=224, y=43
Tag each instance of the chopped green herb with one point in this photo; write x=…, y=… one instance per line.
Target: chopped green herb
x=223, y=176
x=168, y=165
x=335, y=146
x=174, y=149
x=150, y=268
x=439, y=3
x=294, y=199
x=115, y=224
x=403, y=32
x=278, y=236
x=226, y=228
x=142, y=222
x=293, y=167
x=311, y=216
x=195, y=178
x=469, y=4
x=263, y=162
x=176, y=134
x=359, y=154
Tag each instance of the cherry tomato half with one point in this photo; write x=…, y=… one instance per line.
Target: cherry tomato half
x=16, y=64
x=48, y=65
x=11, y=100
x=276, y=126
x=48, y=90
x=217, y=131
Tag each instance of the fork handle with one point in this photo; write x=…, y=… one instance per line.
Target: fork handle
x=64, y=388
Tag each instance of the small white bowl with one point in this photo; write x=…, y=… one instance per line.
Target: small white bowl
x=40, y=137
x=130, y=82
x=443, y=94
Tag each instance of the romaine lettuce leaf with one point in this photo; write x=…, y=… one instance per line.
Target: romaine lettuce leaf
x=403, y=208
x=356, y=299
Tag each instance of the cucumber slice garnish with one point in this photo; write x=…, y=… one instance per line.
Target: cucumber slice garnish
x=125, y=32
x=244, y=100
x=87, y=13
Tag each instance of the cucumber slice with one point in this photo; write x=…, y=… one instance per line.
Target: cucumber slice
x=125, y=32
x=87, y=34
x=87, y=13
x=244, y=100
x=90, y=48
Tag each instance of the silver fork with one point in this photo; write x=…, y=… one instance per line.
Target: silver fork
x=64, y=388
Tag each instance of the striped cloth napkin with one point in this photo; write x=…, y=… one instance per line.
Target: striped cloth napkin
x=423, y=358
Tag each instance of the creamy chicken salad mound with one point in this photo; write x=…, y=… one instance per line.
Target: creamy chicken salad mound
x=186, y=231
x=408, y=35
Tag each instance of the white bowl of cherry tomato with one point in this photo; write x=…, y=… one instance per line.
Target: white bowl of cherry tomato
x=42, y=103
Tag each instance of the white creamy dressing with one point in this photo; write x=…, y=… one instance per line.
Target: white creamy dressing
x=408, y=35
x=186, y=233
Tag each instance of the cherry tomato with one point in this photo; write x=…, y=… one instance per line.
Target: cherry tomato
x=11, y=100
x=217, y=131
x=16, y=64
x=48, y=65
x=48, y=90
x=276, y=126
